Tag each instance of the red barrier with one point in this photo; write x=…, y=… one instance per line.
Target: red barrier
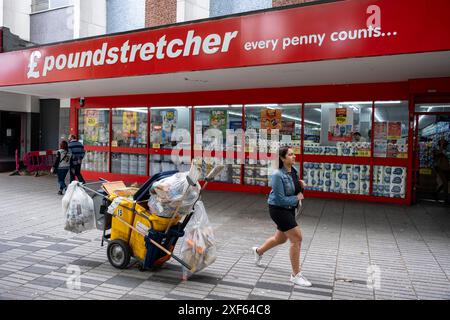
x=36, y=161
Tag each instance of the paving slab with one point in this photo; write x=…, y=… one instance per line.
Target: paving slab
x=404, y=252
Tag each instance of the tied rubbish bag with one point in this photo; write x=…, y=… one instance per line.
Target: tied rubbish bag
x=199, y=246
x=168, y=193
x=78, y=208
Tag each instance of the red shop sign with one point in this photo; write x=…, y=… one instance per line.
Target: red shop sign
x=354, y=28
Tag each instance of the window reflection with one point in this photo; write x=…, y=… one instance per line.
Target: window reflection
x=130, y=127
x=340, y=129
x=391, y=129
x=93, y=127
x=164, y=122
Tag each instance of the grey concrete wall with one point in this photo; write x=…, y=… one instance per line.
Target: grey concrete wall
x=49, y=133
x=221, y=7
x=52, y=26
x=124, y=15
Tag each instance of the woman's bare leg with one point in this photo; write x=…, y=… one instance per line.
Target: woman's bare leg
x=295, y=237
x=277, y=239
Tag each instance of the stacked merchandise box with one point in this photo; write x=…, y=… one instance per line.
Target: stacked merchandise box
x=133, y=164
x=160, y=163
x=338, y=178
x=256, y=173
x=142, y=164
x=389, y=181
x=124, y=163
x=353, y=149
x=95, y=161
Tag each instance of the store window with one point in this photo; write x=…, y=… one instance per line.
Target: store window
x=391, y=129
x=96, y=161
x=263, y=119
x=93, y=127
x=389, y=182
x=222, y=118
x=134, y=164
x=284, y=117
x=129, y=127
x=340, y=129
x=165, y=122
x=213, y=124
x=433, y=107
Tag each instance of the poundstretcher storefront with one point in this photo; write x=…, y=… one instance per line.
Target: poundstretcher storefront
x=346, y=83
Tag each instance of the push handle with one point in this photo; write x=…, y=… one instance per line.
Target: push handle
x=181, y=261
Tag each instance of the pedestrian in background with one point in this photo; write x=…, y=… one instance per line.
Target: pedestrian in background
x=285, y=197
x=442, y=167
x=76, y=148
x=62, y=165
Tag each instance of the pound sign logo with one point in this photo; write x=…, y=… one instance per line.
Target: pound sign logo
x=33, y=64
x=373, y=277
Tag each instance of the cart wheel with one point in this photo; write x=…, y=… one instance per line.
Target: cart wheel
x=119, y=254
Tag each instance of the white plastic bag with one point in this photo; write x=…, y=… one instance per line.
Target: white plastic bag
x=68, y=195
x=199, y=245
x=168, y=193
x=78, y=208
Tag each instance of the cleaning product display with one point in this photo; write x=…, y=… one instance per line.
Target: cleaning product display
x=257, y=172
x=167, y=194
x=160, y=163
x=231, y=173
x=78, y=209
x=95, y=161
x=134, y=164
x=389, y=181
x=351, y=149
x=335, y=177
x=199, y=245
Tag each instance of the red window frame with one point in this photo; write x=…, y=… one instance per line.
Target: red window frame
x=300, y=95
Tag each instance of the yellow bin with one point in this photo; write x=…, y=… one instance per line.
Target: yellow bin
x=120, y=230
x=143, y=224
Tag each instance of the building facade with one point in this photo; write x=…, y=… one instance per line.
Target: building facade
x=38, y=123
x=173, y=11
x=347, y=84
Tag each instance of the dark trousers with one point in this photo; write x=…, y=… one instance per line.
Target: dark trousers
x=75, y=171
x=62, y=173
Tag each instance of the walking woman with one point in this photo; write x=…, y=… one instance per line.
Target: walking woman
x=286, y=194
x=62, y=165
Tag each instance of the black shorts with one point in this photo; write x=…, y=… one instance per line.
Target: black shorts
x=283, y=218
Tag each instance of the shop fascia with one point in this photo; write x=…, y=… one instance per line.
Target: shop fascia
x=262, y=144
x=191, y=45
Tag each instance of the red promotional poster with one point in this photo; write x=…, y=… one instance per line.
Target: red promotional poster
x=271, y=119
x=394, y=131
x=341, y=124
x=287, y=127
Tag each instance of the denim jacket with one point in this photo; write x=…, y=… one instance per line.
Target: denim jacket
x=283, y=190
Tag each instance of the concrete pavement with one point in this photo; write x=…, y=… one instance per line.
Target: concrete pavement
x=404, y=250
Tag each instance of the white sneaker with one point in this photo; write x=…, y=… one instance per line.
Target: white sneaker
x=258, y=257
x=300, y=280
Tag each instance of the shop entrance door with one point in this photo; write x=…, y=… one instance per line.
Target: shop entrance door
x=431, y=178
x=10, y=133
